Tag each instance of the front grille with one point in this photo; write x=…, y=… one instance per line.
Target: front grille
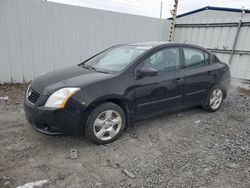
x=32, y=95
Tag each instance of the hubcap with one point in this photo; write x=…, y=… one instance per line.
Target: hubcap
x=216, y=99
x=107, y=124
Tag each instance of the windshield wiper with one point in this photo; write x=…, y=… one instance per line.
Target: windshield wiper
x=86, y=66
x=93, y=68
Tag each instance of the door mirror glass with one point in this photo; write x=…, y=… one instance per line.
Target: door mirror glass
x=144, y=72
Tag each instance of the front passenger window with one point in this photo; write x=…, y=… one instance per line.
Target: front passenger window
x=164, y=60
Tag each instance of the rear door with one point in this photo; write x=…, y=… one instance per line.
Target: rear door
x=164, y=91
x=198, y=77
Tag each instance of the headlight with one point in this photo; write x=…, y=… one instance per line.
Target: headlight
x=27, y=91
x=59, y=98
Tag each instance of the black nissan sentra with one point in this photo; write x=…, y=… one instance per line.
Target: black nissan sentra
x=106, y=93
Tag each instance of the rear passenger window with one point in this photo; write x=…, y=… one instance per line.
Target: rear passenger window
x=195, y=58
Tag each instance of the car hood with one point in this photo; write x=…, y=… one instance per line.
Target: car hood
x=76, y=76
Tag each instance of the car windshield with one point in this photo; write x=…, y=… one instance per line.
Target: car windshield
x=115, y=59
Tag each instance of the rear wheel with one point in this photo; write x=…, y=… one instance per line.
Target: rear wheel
x=105, y=123
x=214, y=99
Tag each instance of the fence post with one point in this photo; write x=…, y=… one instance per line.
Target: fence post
x=236, y=38
x=174, y=13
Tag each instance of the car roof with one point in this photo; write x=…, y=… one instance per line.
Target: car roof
x=150, y=43
x=159, y=43
x=154, y=44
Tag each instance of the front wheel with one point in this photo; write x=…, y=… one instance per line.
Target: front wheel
x=214, y=100
x=105, y=123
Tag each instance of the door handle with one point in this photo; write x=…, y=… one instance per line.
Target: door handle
x=177, y=80
x=209, y=72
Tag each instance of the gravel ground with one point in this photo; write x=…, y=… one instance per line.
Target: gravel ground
x=189, y=148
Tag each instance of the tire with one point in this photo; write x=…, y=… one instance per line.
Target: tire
x=105, y=123
x=214, y=99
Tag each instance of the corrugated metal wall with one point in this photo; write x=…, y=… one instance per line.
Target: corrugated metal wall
x=219, y=38
x=38, y=36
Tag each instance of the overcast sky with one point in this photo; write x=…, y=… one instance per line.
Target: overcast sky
x=151, y=8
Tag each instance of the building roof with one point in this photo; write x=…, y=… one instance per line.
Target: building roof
x=212, y=8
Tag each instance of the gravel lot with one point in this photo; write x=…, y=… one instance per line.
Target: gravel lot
x=190, y=148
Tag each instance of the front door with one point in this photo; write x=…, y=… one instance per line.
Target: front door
x=162, y=92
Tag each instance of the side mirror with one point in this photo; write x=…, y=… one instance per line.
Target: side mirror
x=144, y=72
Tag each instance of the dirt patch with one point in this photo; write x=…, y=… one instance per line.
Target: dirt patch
x=244, y=91
x=189, y=148
x=12, y=94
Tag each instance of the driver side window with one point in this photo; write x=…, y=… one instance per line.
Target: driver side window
x=164, y=60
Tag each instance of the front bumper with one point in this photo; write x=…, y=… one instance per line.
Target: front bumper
x=54, y=121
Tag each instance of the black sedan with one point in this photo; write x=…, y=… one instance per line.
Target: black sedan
x=106, y=93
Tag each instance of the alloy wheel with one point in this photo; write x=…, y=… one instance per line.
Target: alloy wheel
x=107, y=125
x=216, y=99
